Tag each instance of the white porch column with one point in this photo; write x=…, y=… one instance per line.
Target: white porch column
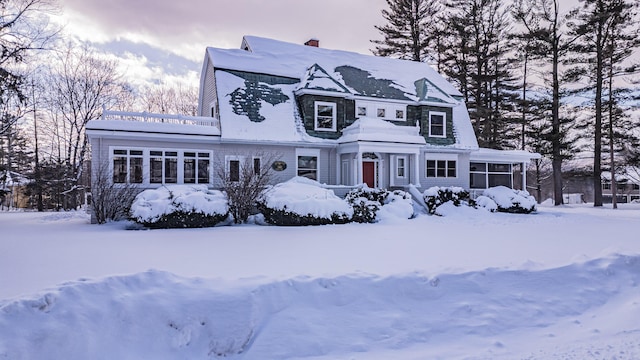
x=416, y=169
x=338, y=170
x=359, y=167
x=524, y=176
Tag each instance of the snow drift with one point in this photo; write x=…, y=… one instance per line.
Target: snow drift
x=162, y=316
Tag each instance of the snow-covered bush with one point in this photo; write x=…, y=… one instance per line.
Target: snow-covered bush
x=398, y=204
x=486, y=203
x=179, y=206
x=436, y=196
x=301, y=201
x=370, y=204
x=366, y=202
x=511, y=201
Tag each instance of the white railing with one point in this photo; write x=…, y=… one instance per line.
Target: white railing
x=160, y=118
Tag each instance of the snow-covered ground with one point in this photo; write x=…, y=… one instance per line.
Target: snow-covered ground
x=558, y=284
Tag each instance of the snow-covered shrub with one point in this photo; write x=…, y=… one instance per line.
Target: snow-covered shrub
x=511, y=201
x=366, y=202
x=486, y=203
x=179, y=206
x=436, y=196
x=398, y=204
x=301, y=201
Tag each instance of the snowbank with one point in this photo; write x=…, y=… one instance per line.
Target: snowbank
x=157, y=315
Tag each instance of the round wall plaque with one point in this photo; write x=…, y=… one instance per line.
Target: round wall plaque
x=279, y=165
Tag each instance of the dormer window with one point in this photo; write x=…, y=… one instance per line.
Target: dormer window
x=325, y=116
x=399, y=114
x=362, y=111
x=385, y=110
x=382, y=112
x=437, y=124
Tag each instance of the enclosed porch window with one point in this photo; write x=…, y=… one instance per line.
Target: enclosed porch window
x=484, y=175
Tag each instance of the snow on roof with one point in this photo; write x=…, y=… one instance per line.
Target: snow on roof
x=484, y=154
x=292, y=60
x=373, y=129
x=300, y=67
x=152, y=127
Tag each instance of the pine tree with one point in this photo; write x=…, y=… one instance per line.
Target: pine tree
x=476, y=58
x=410, y=30
x=605, y=28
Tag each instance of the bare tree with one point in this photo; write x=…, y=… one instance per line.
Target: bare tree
x=170, y=99
x=81, y=83
x=24, y=28
x=110, y=201
x=244, y=180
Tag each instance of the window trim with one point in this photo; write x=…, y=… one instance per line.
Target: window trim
x=334, y=116
x=444, y=124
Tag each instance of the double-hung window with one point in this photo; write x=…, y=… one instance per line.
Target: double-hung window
x=307, y=163
x=437, y=124
x=325, y=116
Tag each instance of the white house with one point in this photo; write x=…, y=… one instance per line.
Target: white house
x=338, y=117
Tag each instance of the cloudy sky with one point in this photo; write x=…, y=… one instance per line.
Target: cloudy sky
x=166, y=39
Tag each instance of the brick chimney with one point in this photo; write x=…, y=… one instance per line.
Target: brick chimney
x=313, y=42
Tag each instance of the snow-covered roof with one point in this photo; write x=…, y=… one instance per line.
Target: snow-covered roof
x=373, y=129
x=268, y=56
x=266, y=110
x=513, y=156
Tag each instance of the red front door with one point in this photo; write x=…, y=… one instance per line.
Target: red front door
x=369, y=173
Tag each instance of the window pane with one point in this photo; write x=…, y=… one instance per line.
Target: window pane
x=442, y=168
x=362, y=111
x=451, y=168
x=136, y=152
x=156, y=170
x=256, y=166
x=170, y=153
x=204, y=155
x=155, y=153
x=381, y=113
x=189, y=171
x=189, y=154
x=478, y=181
x=399, y=114
x=203, y=171
x=431, y=168
x=500, y=168
x=474, y=166
x=120, y=152
x=400, y=167
x=119, y=169
x=135, y=170
x=437, y=125
x=307, y=167
x=171, y=171
x=234, y=170
x=499, y=179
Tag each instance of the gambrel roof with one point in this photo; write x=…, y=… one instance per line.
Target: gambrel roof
x=245, y=103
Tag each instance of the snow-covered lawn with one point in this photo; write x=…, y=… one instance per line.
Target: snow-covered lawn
x=558, y=284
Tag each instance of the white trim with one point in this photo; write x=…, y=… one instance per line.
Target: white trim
x=334, y=116
x=444, y=123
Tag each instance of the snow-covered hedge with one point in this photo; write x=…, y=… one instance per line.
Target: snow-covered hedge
x=372, y=204
x=436, y=196
x=301, y=201
x=180, y=206
x=509, y=200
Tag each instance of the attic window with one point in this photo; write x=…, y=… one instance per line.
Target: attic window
x=399, y=114
x=382, y=113
x=437, y=124
x=325, y=116
x=362, y=111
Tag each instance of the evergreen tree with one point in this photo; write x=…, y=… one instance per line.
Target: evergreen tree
x=410, y=30
x=604, y=28
x=476, y=58
x=545, y=35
